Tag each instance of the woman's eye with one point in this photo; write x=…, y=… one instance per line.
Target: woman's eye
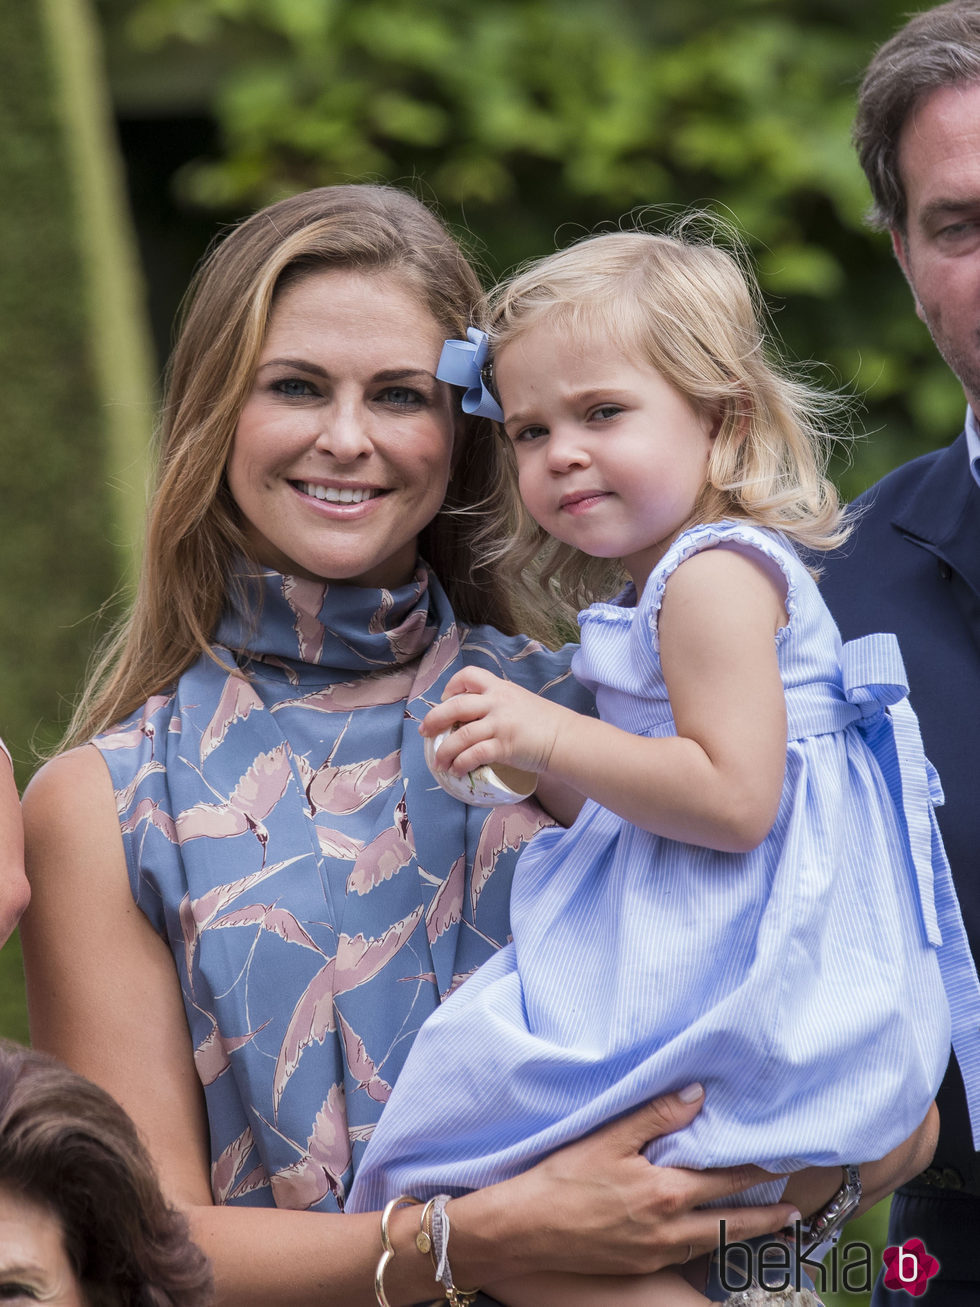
x=292, y=387
x=402, y=397
x=10, y=1292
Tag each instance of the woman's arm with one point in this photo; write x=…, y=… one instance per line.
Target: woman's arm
x=14, y=891
x=719, y=781
x=104, y=996
x=592, y=1225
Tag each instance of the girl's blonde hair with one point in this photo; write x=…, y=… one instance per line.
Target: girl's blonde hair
x=194, y=530
x=687, y=308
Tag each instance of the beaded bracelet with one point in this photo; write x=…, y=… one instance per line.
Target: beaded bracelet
x=388, y=1252
x=439, y=1220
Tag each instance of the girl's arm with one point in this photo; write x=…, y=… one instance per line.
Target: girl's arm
x=104, y=996
x=14, y=891
x=719, y=781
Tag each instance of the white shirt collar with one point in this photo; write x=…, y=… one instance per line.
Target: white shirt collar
x=973, y=443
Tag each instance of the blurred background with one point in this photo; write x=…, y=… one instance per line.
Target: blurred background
x=134, y=131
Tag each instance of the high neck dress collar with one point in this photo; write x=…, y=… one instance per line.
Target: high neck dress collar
x=321, y=626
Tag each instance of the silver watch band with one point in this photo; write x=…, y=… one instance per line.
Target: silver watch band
x=825, y=1226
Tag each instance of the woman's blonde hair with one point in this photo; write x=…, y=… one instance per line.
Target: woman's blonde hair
x=194, y=529
x=686, y=307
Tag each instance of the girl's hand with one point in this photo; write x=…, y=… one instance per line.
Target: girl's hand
x=492, y=720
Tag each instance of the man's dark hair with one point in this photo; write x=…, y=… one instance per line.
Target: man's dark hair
x=937, y=48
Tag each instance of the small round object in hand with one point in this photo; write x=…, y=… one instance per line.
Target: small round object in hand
x=484, y=787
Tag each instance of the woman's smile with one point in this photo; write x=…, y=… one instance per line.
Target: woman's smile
x=337, y=494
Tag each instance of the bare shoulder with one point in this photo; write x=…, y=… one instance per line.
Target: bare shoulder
x=73, y=847
x=725, y=563
x=78, y=772
x=723, y=580
x=69, y=798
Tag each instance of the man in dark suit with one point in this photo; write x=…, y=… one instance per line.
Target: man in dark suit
x=913, y=563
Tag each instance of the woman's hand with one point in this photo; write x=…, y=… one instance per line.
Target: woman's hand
x=598, y=1206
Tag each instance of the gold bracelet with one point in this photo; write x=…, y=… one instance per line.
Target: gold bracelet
x=461, y=1297
x=388, y=1252
x=423, y=1240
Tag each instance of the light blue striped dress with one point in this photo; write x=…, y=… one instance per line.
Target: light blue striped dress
x=811, y=985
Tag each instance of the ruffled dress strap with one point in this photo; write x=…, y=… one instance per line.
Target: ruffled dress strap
x=778, y=556
x=876, y=685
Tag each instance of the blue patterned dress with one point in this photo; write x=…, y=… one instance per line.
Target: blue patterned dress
x=319, y=891
x=807, y=984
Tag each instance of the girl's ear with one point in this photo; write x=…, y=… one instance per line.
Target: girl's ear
x=737, y=410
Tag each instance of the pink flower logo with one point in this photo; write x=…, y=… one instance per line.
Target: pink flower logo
x=909, y=1267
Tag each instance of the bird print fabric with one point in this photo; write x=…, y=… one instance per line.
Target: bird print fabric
x=320, y=893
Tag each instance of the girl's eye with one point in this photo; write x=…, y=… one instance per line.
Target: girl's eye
x=527, y=434
x=605, y=412
x=293, y=388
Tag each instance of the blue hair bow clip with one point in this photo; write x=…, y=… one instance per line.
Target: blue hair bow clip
x=461, y=363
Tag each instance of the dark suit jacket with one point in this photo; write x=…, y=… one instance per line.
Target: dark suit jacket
x=912, y=566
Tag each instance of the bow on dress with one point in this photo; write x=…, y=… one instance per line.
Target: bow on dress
x=875, y=679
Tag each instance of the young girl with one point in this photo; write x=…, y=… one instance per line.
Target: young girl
x=754, y=894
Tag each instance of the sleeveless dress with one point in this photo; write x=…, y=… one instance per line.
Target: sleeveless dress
x=319, y=892
x=807, y=984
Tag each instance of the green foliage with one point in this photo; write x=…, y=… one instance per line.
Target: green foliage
x=55, y=555
x=13, y=1010
x=872, y=1229
x=531, y=121
x=63, y=543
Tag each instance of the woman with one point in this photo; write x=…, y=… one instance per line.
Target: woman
x=82, y=1219
x=306, y=893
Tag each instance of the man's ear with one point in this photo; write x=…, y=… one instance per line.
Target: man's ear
x=900, y=248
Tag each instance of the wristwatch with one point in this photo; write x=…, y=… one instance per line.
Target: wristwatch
x=825, y=1226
